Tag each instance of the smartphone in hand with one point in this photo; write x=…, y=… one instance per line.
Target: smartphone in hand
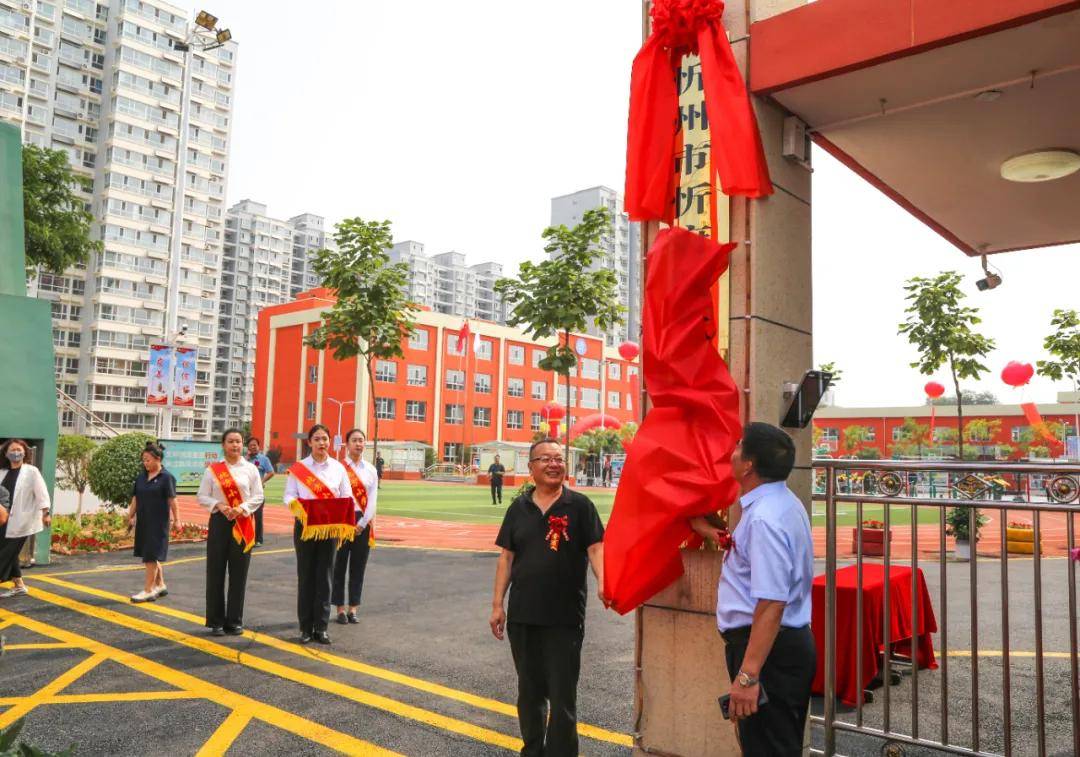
x=725, y=702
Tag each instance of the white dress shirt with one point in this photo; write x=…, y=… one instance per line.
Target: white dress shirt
x=369, y=477
x=30, y=502
x=248, y=481
x=330, y=472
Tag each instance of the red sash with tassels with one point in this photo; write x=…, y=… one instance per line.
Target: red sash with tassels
x=359, y=492
x=243, y=529
x=325, y=516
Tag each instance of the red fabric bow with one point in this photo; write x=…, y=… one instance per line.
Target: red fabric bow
x=679, y=465
x=681, y=27
x=557, y=525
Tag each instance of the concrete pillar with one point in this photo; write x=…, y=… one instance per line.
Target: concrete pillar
x=682, y=668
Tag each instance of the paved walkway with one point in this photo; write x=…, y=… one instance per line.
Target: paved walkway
x=418, y=532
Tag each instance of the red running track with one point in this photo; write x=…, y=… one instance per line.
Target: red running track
x=418, y=532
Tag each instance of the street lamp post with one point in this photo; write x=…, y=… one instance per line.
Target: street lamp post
x=340, y=406
x=203, y=35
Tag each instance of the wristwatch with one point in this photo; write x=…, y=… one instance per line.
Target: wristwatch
x=746, y=680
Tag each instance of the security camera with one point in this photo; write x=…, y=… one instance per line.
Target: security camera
x=992, y=280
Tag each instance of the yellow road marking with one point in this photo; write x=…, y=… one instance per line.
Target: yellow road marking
x=127, y=568
x=225, y=734
x=1012, y=653
x=231, y=700
x=48, y=645
x=118, y=696
x=310, y=680
x=484, y=703
x=52, y=688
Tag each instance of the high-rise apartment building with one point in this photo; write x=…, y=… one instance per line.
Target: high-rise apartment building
x=309, y=235
x=446, y=284
x=255, y=272
x=621, y=248
x=104, y=82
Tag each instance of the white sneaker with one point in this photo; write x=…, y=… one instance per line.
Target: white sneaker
x=161, y=591
x=143, y=596
x=13, y=592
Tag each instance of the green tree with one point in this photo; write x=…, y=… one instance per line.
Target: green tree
x=854, y=438
x=969, y=398
x=115, y=465
x=57, y=220
x=73, y=454
x=912, y=437
x=600, y=441
x=942, y=329
x=1064, y=345
x=372, y=313
x=837, y=374
x=562, y=295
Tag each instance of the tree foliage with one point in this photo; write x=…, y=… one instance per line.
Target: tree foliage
x=57, y=221
x=372, y=313
x=969, y=398
x=563, y=294
x=1064, y=345
x=836, y=372
x=942, y=329
x=854, y=437
x=912, y=437
x=115, y=465
x=73, y=454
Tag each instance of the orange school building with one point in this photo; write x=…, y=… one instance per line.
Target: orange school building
x=434, y=394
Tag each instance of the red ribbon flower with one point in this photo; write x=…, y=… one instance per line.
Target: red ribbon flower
x=725, y=540
x=557, y=525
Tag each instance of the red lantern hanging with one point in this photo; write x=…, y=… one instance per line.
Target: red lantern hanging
x=553, y=412
x=1017, y=374
x=629, y=350
x=934, y=390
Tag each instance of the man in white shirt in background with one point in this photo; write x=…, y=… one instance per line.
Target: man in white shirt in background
x=763, y=601
x=352, y=556
x=224, y=554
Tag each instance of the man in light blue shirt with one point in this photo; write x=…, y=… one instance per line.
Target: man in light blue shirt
x=763, y=600
x=266, y=472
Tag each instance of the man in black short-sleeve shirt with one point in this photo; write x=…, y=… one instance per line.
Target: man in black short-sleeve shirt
x=549, y=537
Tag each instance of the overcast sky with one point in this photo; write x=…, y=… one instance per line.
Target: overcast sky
x=460, y=121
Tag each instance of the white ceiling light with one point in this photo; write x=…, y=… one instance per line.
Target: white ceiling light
x=1041, y=165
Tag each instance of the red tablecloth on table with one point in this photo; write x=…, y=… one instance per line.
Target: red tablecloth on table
x=848, y=688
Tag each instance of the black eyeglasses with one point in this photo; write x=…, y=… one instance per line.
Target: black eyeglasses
x=547, y=460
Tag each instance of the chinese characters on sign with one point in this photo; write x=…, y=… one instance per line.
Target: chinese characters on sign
x=170, y=376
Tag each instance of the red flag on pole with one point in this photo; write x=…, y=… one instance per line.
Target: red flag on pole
x=463, y=339
x=679, y=465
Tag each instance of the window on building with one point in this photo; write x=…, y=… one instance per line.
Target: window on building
x=613, y=400
x=614, y=371
x=515, y=387
x=535, y=421
x=830, y=435
x=452, y=345
x=515, y=419
x=415, y=410
x=871, y=434
x=590, y=369
x=455, y=415
x=482, y=383
x=539, y=390
x=417, y=375
x=590, y=398
x=481, y=417
x=310, y=411
x=418, y=340
x=631, y=372
x=560, y=395
x=385, y=408
x=386, y=370
x=897, y=434
x=1017, y=434
x=453, y=452
x=537, y=356
x=483, y=349
x=516, y=355
x=313, y=374
x=455, y=380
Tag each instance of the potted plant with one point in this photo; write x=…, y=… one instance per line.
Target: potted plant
x=957, y=525
x=1020, y=538
x=873, y=538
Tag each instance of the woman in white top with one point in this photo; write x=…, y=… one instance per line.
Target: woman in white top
x=224, y=555
x=27, y=511
x=315, y=557
x=352, y=556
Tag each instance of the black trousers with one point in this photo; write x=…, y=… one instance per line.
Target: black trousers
x=259, y=526
x=314, y=566
x=777, y=729
x=605, y=477
x=496, y=491
x=352, y=557
x=548, y=661
x=9, y=556
x=225, y=557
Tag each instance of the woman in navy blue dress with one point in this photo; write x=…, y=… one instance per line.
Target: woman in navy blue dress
x=153, y=504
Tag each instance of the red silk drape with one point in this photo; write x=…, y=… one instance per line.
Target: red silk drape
x=679, y=464
x=682, y=27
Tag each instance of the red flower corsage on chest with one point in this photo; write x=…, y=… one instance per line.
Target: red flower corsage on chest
x=557, y=531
